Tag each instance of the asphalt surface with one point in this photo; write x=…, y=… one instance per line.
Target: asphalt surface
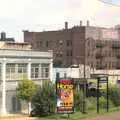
x=109, y=116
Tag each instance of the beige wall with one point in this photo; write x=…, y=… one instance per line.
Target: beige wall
x=114, y=75
x=17, y=46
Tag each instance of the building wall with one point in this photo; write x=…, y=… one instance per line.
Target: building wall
x=53, y=40
x=102, y=46
x=14, y=45
x=74, y=73
x=113, y=75
x=33, y=65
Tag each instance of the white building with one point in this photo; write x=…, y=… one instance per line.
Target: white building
x=16, y=65
x=75, y=72
x=113, y=75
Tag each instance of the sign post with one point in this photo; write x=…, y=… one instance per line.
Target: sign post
x=101, y=79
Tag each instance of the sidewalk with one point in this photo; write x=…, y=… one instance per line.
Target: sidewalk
x=16, y=117
x=109, y=116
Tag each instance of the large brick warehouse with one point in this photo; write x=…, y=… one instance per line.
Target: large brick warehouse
x=95, y=46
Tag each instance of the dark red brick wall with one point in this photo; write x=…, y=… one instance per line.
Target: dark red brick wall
x=79, y=37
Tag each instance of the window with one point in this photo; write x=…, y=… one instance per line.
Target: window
x=10, y=71
x=60, y=42
x=22, y=71
x=69, y=42
x=45, y=70
x=60, y=54
x=69, y=53
x=88, y=54
x=57, y=63
x=40, y=44
x=57, y=75
x=35, y=71
x=46, y=44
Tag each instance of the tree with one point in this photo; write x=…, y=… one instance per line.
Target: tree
x=45, y=100
x=26, y=90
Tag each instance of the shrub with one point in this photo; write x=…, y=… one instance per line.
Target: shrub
x=91, y=103
x=45, y=100
x=78, y=99
x=114, y=95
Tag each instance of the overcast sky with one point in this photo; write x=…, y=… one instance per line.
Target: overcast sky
x=39, y=15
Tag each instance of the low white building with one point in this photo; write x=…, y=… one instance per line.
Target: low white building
x=75, y=72
x=113, y=75
x=16, y=65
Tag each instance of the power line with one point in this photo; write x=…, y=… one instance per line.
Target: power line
x=109, y=3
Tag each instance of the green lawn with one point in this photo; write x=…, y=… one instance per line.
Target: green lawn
x=76, y=115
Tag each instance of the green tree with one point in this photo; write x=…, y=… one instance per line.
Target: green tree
x=45, y=100
x=26, y=90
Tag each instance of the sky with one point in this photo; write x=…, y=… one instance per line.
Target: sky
x=43, y=15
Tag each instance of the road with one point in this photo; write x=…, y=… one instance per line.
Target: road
x=109, y=116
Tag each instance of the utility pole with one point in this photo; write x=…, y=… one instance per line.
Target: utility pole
x=85, y=81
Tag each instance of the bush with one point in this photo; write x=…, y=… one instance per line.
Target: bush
x=91, y=103
x=102, y=102
x=114, y=95
x=45, y=100
x=78, y=99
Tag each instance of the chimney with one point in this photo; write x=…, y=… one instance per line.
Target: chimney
x=66, y=25
x=88, y=23
x=3, y=36
x=80, y=22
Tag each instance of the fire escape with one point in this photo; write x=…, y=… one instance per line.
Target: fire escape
x=99, y=56
x=116, y=53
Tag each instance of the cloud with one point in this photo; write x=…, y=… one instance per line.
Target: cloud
x=16, y=15
x=108, y=15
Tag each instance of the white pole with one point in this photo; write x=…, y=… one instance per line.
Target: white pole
x=29, y=77
x=29, y=69
x=51, y=70
x=3, y=88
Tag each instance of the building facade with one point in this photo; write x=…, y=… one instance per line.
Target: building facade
x=75, y=73
x=16, y=65
x=14, y=45
x=95, y=46
x=4, y=38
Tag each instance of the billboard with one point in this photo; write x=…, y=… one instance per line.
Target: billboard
x=64, y=91
x=110, y=34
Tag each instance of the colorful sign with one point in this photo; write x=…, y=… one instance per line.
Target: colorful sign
x=65, y=103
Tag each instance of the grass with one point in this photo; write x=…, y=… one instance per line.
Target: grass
x=78, y=115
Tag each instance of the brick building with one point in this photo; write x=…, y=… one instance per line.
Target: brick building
x=95, y=46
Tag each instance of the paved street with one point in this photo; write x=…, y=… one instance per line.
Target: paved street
x=109, y=116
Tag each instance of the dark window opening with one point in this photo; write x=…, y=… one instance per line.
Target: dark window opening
x=69, y=42
x=69, y=53
x=40, y=43
x=47, y=44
